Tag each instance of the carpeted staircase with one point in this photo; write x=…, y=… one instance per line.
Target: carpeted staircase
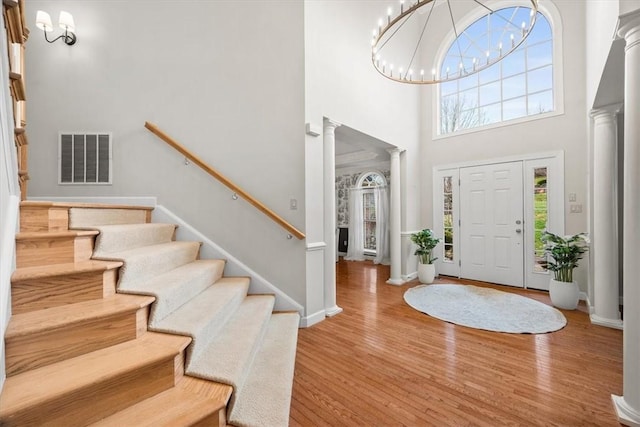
x=136, y=330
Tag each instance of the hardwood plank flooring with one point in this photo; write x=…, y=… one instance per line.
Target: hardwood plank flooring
x=382, y=363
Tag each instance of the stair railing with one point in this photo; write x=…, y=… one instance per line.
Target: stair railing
x=224, y=180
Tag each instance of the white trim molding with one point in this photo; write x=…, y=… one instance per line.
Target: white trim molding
x=312, y=319
x=233, y=267
x=316, y=246
x=626, y=414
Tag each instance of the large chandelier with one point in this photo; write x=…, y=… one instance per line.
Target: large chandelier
x=400, y=41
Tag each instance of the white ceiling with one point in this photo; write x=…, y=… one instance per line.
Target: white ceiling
x=355, y=149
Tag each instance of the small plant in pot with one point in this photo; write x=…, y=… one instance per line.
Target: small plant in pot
x=426, y=241
x=563, y=254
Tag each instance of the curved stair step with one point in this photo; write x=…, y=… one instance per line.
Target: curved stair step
x=42, y=337
x=55, y=247
x=175, y=287
x=171, y=408
x=90, y=387
x=36, y=288
x=122, y=237
x=144, y=263
x=270, y=375
x=203, y=317
x=227, y=358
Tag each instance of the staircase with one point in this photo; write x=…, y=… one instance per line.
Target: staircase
x=117, y=324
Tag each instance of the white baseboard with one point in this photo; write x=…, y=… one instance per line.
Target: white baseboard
x=234, y=267
x=8, y=230
x=312, y=319
x=209, y=249
x=129, y=201
x=409, y=277
x=609, y=323
x=626, y=414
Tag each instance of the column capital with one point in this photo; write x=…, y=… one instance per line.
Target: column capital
x=610, y=110
x=395, y=151
x=629, y=28
x=606, y=113
x=329, y=124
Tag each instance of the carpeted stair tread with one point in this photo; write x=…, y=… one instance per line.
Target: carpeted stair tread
x=175, y=287
x=264, y=398
x=171, y=408
x=70, y=377
x=204, y=316
x=81, y=217
x=227, y=358
x=118, y=238
x=40, y=321
x=143, y=263
x=54, y=270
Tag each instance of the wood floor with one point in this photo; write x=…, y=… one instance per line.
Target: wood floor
x=381, y=363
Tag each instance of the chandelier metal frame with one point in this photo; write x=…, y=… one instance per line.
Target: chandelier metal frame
x=406, y=76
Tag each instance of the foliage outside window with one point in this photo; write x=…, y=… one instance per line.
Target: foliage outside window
x=520, y=85
x=540, y=215
x=447, y=216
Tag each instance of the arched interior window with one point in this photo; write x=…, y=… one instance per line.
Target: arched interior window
x=367, y=182
x=519, y=86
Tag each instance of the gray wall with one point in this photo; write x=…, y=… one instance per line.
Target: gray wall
x=226, y=78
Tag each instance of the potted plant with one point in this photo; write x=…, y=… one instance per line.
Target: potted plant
x=563, y=254
x=426, y=241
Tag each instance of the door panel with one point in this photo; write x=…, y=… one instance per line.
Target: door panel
x=491, y=205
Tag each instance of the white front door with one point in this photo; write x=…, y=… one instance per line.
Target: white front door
x=491, y=223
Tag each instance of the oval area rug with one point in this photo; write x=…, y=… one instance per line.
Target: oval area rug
x=485, y=308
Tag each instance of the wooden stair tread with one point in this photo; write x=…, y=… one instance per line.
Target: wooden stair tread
x=211, y=389
x=40, y=321
x=42, y=235
x=47, y=204
x=37, y=386
x=54, y=270
x=174, y=407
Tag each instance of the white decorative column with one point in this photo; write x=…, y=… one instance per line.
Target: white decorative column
x=329, y=153
x=395, y=221
x=606, y=283
x=628, y=405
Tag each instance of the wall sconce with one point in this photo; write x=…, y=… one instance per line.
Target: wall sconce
x=43, y=21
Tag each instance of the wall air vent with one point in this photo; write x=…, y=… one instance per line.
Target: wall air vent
x=84, y=158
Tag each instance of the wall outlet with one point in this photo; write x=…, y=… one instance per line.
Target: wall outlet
x=576, y=209
x=572, y=197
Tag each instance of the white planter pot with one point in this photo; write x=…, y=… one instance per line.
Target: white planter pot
x=564, y=295
x=426, y=273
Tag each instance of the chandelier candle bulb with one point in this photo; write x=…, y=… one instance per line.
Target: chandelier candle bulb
x=392, y=35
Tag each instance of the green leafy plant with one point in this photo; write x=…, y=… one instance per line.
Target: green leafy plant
x=565, y=253
x=426, y=241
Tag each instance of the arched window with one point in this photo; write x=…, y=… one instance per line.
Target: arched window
x=518, y=87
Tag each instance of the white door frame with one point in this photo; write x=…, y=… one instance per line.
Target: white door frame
x=554, y=161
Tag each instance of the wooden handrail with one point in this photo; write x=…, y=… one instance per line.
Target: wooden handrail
x=224, y=180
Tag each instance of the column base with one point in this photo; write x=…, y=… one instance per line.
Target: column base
x=609, y=323
x=396, y=282
x=330, y=312
x=626, y=415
